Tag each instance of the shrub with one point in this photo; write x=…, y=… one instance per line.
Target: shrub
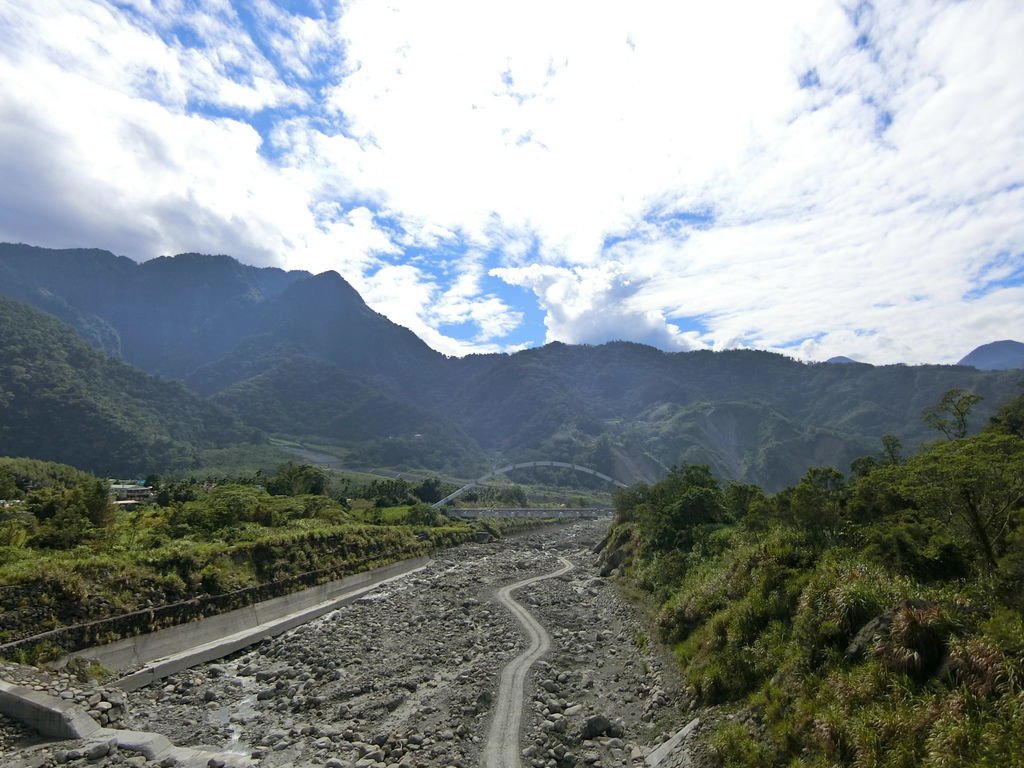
x=736, y=747
x=842, y=595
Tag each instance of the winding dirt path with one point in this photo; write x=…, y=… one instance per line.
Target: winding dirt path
x=502, y=750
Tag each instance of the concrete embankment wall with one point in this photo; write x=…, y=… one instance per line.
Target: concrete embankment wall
x=45, y=714
x=170, y=650
x=55, y=718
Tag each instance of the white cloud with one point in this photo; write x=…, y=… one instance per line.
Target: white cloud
x=97, y=147
x=413, y=299
x=466, y=301
x=851, y=209
x=591, y=305
x=860, y=214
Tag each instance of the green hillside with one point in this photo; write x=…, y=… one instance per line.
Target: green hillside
x=306, y=398
x=61, y=400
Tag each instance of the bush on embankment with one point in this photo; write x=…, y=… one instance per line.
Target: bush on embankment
x=874, y=620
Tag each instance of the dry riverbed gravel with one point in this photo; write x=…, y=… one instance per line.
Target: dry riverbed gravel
x=406, y=675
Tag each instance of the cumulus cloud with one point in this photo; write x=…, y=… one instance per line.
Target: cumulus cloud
x=415, y=298
x=862, y=167
x=592, y=305
x=813, y=177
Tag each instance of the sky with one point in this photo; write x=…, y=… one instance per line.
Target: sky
x=812, y=177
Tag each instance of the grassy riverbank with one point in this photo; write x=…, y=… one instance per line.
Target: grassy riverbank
x=869, y=620
x=69, y=557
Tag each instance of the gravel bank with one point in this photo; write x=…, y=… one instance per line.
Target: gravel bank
x=406, y=676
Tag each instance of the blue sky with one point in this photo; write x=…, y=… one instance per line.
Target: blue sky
x=819, y=178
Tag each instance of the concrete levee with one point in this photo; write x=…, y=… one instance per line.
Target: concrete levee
x=49, y=716
x=216, y=636
x=61, y=720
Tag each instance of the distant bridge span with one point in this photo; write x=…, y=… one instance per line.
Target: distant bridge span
x=557, y=513
x=527, y=465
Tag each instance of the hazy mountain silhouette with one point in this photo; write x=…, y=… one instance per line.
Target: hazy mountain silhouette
x=997, y=356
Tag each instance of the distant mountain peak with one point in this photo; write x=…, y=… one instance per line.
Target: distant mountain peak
x=996, y=356
x=844, y=360
x=328, y=287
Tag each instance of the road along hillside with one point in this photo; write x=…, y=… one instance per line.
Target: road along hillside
x=409, y=675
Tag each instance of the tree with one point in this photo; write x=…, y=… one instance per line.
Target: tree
x=740, y=498
x=949, y=415
x=1009, y=419
x=297, y=480
x=689, y=497
x=863, y=466
x=892, y=449
x=816, y=503
x=389, y=493
x=429, y=490
x=978, y=483
x=514, y=496
x=628, y=500
x=8, y=485
x=424, y=514
x=892, y=453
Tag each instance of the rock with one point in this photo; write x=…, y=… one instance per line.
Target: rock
x=596, y=725
x=96, y=751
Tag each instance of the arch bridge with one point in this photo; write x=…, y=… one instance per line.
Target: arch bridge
x=528, y=465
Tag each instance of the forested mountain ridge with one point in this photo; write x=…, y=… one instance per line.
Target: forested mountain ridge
x=303, y=356
x=200, y=318
x=161, y=315
x=751, y=415
x=61, y=400
x=300, y=395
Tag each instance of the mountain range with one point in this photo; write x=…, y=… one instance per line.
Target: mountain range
x=261, y=351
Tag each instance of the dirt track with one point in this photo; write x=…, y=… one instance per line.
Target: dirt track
x=504, y=741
